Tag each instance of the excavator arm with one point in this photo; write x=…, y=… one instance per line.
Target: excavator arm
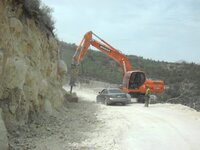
x=104, y=47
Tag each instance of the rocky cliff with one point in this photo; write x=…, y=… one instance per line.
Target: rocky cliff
x=31, y=72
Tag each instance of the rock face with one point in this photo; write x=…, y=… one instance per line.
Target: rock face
x=31, y=73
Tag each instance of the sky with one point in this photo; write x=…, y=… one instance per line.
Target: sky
x=164, y=30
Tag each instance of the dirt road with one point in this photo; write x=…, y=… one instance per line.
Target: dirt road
x=161, y=126
x=90, y=126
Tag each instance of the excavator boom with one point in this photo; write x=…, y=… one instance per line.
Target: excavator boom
x=104, y=47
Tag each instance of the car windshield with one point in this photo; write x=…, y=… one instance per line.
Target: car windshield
x=115, y=91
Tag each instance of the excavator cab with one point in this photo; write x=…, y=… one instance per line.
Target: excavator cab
x=135, y=83
x=134, y=79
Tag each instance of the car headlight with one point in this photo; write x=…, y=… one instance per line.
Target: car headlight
x=111, y=98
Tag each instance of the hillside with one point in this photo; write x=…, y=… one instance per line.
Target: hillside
x=31, y=72
x=181, y=79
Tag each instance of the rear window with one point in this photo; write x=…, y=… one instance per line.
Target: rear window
x=115, y=91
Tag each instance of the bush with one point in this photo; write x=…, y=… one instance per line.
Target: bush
x=41, y=12
x=46, y=16
x=32, y=6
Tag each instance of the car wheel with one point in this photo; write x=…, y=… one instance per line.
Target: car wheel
x=106, y=102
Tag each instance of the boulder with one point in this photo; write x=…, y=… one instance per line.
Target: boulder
x=15, y=72
x=71, y=97
x=16, y=25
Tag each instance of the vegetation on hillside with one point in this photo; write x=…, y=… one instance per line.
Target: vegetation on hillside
x=181, y=79
x=40, y=12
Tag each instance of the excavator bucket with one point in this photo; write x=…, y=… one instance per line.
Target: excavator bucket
x=73, y=75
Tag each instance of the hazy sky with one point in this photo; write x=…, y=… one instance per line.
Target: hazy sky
x=158, y=29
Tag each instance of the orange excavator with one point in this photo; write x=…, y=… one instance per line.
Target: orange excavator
x=134, y=81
